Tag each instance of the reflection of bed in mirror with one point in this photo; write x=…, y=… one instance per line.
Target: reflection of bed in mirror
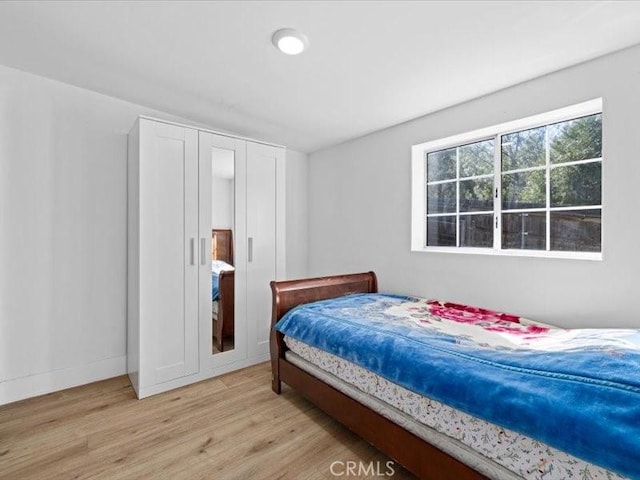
x=222, y=288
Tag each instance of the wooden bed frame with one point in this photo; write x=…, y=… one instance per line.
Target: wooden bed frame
x=224, y=324
x=415, y=454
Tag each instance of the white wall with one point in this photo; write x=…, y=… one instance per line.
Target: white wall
x=63, y=190
x=297, y=174
x=222, y=202
x=63, y=210
x=359, y=207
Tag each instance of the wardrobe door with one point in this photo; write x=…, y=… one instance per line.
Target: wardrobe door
x=264, y=169
x=222, y=265
x=168, y=251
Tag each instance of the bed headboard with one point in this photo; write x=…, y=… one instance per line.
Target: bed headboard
x=291, y=293
x=222, y=245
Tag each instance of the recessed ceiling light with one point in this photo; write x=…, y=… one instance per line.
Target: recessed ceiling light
x=290, y=41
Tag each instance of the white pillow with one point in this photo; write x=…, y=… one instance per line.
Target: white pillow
x=218, y=266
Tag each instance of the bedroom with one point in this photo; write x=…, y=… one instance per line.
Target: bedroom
x=75, y=77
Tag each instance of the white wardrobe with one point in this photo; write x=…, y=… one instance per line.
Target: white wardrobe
x=176, y=175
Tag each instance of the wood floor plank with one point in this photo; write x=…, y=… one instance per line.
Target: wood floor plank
x=230, y=427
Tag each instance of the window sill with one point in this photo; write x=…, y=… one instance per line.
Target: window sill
x=593, y=256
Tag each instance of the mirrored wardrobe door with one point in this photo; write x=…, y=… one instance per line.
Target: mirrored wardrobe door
x=221, y=313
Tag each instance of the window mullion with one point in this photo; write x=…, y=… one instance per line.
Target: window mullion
x=497, y=193
x=548, y=187
x=458, y=197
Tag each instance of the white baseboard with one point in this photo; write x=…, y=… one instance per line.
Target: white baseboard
x=42, y=383
x=48, y=382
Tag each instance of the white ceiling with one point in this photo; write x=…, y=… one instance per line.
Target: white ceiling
x=370, y=65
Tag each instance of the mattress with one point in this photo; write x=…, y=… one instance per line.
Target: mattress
x=495, y=451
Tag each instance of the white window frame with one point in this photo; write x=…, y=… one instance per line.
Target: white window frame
x=419, y=184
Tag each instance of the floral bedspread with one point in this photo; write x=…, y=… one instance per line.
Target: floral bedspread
x=503, y=330
x=577, y=390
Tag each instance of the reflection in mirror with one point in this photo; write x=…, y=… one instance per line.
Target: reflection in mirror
x=222, y=260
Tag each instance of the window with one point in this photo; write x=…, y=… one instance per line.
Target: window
x=530, y=187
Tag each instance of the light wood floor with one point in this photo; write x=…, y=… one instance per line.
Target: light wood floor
x=230, y=427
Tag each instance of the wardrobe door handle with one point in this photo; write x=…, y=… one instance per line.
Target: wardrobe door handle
x=203, y=254
x=250, y=250
x=192, y=253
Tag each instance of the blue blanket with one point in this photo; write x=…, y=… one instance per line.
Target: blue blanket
x=215, y=285
x=576, y=390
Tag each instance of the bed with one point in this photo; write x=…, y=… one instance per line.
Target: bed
x=558, y=424
x=222, y=287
